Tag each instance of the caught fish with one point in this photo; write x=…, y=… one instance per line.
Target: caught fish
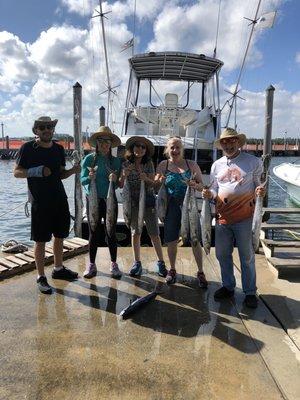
x=185, y=225
x=93, y=201
x=137, y=304
x=193, y=216
x=205, y=222
x=162, y=202
x=258, y=210
x=141, y=206
x=111, y=208
x=257, y=219
x=126, y=196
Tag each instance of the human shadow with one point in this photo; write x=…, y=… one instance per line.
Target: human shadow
x=179, y=310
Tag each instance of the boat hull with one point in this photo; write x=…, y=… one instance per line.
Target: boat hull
x=290, y=174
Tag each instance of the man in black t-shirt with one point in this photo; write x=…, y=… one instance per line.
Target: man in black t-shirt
x=42, y=162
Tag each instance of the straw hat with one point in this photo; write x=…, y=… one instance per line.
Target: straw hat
x=230, y=133
x=44, y=121
x=105, y=133
x=141, y=139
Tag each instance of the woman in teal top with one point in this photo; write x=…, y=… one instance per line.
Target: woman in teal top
x=176, y=172
x=103, y=140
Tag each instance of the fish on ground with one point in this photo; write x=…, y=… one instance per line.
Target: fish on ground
x=141, y=206
x=93, y=201
x=162, y=202
x=137, y=304
x=126, y=197
x=111, y=208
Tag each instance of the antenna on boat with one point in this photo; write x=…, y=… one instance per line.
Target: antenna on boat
x=235, y=92
x=217, y=33
x=110, y=89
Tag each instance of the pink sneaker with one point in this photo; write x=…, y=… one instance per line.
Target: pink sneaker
x=90, y=271
x=171, y=277
x=202, y=280
x=115, y=271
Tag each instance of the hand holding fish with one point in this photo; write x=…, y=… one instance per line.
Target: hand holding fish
x=160, y=178
x=92, y=172
x=207, y=194
x=112, y=177
x=260, y=191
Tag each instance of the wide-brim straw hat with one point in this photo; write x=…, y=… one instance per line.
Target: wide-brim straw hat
x=230, y=133
x=105, y=133
x=44, y=120
x=141, y=139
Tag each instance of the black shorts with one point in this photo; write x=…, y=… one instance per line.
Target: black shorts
x=50, y=219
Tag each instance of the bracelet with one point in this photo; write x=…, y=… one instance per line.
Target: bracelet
x=35, y=172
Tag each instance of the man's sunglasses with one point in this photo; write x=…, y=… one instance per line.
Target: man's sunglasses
x=142, y=146
x=43, y=127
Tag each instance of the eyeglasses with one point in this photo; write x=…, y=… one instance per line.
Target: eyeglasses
x=101, y=140
x=43, y=127
x=229, y=140
x=142, y=146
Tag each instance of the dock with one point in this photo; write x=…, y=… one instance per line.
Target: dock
x=183, y=345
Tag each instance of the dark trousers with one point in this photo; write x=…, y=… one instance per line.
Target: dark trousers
x=94, y=236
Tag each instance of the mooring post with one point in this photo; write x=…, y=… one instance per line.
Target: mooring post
x=7, y=142
x=267, y=146
x=102, y=116
x=77, y=109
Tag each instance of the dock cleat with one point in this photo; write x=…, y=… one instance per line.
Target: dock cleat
x=171, y=277
x=64, y=273
x=43, y=285
x=136, y=269
x=115, y=271
x=202, y=282
x=90, y=271
x=161, y=269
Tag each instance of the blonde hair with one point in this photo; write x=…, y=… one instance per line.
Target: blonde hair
x=168, y=145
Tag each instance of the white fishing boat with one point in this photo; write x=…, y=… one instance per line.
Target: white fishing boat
x=290, y=174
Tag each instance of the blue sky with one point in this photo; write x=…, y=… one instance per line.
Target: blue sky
x=46, y=46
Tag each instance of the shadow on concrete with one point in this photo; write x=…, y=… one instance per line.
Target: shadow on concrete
x=180, y=310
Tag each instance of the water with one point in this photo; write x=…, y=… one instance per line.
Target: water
x=15, y=225
x=13, y=195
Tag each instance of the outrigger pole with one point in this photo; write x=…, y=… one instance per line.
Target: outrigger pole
x=235, y=92
x=109, y=88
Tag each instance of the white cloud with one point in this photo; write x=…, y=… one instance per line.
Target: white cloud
x=297, y=58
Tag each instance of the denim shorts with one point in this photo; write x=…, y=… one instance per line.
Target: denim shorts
x=150, y=218
x=173, y=219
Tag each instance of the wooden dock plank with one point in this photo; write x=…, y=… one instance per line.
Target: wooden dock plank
x=78, y=240
x=7, y=263
x=284, y=262
x=281, y=243
x=22, y=256
x=71, y=246
x=265, y=225
x=16, y=260
x=274, y=210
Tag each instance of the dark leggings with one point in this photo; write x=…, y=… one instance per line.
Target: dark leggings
x=111, y=241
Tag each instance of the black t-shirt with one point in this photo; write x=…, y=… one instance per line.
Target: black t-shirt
x=50, y=189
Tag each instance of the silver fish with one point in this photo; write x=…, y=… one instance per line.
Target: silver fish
x=141, y=207
x=194, y=218
x=257, y=219
x=111, y=208
x=93, y=201
x=185, y=225
x=126, y=196
x=205, y=222
x=137, y=304
x=162, y=202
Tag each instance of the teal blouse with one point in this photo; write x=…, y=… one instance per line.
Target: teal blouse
x=102, y=173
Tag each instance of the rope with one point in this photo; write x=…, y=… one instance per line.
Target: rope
x=13, y=209
x=285, y=191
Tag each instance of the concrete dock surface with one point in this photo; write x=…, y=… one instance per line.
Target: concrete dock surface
x=183, y=345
